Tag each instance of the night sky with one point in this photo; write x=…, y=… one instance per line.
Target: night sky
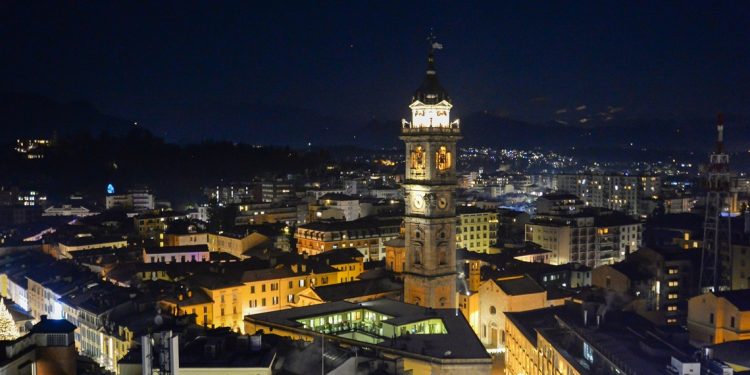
x=161, y=62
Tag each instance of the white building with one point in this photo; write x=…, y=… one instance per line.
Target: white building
x=592, y=240
x=136, y=200
x=614, y=192
x=67, y=210
x=348, y=205
x=176, y=254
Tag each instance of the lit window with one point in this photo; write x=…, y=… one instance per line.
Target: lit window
x=417, y=158
x=443, y=159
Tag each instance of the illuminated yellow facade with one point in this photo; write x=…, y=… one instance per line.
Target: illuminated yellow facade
x=714, y=318
x=520, y=354
x=395, y=256
x=348, y=271
x=186, y=304
x=534, y=355
x=500, y=296
x=174, y=239
x=235, y=244
x=551, y=360
x=263, y=291
x=477, y=229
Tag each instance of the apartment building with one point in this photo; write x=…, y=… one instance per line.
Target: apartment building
x=367, y=235
x=590, y=238
x=610, y=191
x=476, y=229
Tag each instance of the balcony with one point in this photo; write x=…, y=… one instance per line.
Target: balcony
x=408, y=129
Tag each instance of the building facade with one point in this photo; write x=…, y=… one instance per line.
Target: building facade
x=592, y=240
x=476, y=229
x=367, y=235
x=717, y=317
x=611, y=191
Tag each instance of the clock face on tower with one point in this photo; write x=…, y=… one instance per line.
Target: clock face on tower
x=442, y=202
x=418, y=202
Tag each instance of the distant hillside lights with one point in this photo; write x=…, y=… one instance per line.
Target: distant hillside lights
x=32, y=148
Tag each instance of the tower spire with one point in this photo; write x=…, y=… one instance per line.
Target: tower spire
x=430, y=91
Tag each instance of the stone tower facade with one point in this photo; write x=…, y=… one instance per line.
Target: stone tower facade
x=429, y=193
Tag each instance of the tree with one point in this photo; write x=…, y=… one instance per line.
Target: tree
x=8, y=328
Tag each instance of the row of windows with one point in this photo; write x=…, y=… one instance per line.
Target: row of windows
x=471, y=236
x=472, y=228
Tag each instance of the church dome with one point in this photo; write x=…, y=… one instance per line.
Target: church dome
x=430, y=91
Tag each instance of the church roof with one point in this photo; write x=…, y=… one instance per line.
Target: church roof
x=430, y=91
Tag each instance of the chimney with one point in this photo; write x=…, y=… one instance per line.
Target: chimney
x=585, y=317
x=43, y=317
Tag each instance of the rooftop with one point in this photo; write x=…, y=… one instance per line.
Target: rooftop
x=739, y=298
x=733, y=352
x=560, y=196
x=339, y=256
x=337, y=197
x=372, y=223
x=343, y=291
x=459, y=342
x=90, y=240
x=519, y=285
x=468, y=210
x=232, y=351
x=176, y=249
x=53, y=326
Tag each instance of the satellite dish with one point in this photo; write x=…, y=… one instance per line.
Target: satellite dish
x=158, y=320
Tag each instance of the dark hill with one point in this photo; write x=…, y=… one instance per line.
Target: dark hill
x=34, y=116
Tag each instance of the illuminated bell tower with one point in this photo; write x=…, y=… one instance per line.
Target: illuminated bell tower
x=429, y=194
